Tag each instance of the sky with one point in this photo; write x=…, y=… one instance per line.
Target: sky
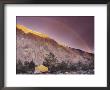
x=72, y=31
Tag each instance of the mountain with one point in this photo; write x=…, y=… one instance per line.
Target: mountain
x=32, y=45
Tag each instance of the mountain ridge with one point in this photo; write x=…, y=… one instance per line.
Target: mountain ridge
x=26, y=30
x=35, y=46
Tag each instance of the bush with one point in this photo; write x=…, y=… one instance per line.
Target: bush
x=27, y=67
x=63, y=67
x=50, y=62
x=73, y=67
x=32, y=66
x=19, y=67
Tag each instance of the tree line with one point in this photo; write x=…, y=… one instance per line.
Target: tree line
x=54, y=66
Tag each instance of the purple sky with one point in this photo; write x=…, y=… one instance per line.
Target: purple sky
x=73, y=31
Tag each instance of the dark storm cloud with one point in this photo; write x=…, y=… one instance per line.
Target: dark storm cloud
x=74, y=31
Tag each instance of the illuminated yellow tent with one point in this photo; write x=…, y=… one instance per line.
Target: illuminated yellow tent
x=41, y=68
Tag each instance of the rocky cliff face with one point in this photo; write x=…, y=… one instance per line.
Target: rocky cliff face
x=35, y=46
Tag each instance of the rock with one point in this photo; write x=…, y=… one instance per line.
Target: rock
x=66, y=72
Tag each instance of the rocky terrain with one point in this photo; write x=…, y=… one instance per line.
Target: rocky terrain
x=36, y=47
